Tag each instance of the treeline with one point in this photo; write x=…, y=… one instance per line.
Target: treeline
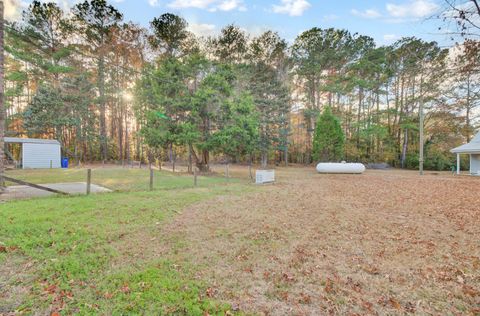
x=110, y=90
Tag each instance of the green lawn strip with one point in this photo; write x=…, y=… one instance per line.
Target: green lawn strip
x=118, y=179
x=70, y=238
x=164, y=288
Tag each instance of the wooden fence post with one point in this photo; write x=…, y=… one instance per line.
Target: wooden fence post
x=227, y=173
x=151, y=179
x=89, y=180
x=194, y=176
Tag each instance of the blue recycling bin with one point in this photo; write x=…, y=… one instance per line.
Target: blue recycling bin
x=65, y=162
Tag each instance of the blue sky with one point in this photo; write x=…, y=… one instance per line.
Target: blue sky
x=385, y=21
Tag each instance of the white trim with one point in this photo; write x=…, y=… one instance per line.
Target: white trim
x=458, y=163
x=19, y=140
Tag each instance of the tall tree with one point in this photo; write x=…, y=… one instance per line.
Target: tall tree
x=46, y=29
x=267, y=84
x=163, y=99
x=169, y=34
x=38, y=51
x=465, y=89
x=329, y=140
x=2, y=104
x=96, y=19
x=237, y=132
x=317, y=54
x=231, y=45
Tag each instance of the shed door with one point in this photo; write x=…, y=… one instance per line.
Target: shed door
x=40, y=155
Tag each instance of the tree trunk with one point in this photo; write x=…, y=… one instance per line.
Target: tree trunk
x=190, y=168
x=359, y=112
x=264, y=158
x=377, y=122
x=388, y=110
x=205, y=161
x=2, y=104
x=120, y=137
x=250, y=166
x=404, y=148
x=127, y=142
x=202, y=162
x=101, y=91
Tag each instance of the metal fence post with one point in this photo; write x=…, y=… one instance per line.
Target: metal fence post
x=89, y=180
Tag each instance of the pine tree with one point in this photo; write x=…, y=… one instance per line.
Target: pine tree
x=95, y=20
x=271, y=94
x=329, y=139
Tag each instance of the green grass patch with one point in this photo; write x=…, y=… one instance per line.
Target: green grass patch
x=161, y=289
x=118, y=179
x=72, y=242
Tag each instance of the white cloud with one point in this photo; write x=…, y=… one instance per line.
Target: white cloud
x=202, y=29
x=292, y=7
x=412, y=9
x=390, y=37
x=229, y=5
x=211, y=5
x=368, y=13
x=13, y=9
x=182, y=4
x=153, y=3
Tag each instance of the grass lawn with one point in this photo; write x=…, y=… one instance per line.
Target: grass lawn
x=82, y=254
x=382, y=243
x=117, y=178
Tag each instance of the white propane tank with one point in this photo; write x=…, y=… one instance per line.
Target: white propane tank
x=342, y=167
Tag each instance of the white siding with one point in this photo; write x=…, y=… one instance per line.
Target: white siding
x=475, y=164
x=40, y=156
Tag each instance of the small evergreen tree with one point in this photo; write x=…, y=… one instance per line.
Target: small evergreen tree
x=329, y=139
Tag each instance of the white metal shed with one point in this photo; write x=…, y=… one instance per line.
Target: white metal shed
x=38, y=153
x=472, y=149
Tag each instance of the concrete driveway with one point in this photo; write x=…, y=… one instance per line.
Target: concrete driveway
x=24, y=192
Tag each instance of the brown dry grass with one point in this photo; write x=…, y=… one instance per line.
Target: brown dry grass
x=386, y=242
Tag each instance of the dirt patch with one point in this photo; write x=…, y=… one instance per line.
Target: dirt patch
x=15, y=272
x=383, y=242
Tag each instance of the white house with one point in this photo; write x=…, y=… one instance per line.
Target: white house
x=472, y=149
x=38, y=153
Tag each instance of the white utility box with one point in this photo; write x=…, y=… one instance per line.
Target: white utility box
x=264, y=176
